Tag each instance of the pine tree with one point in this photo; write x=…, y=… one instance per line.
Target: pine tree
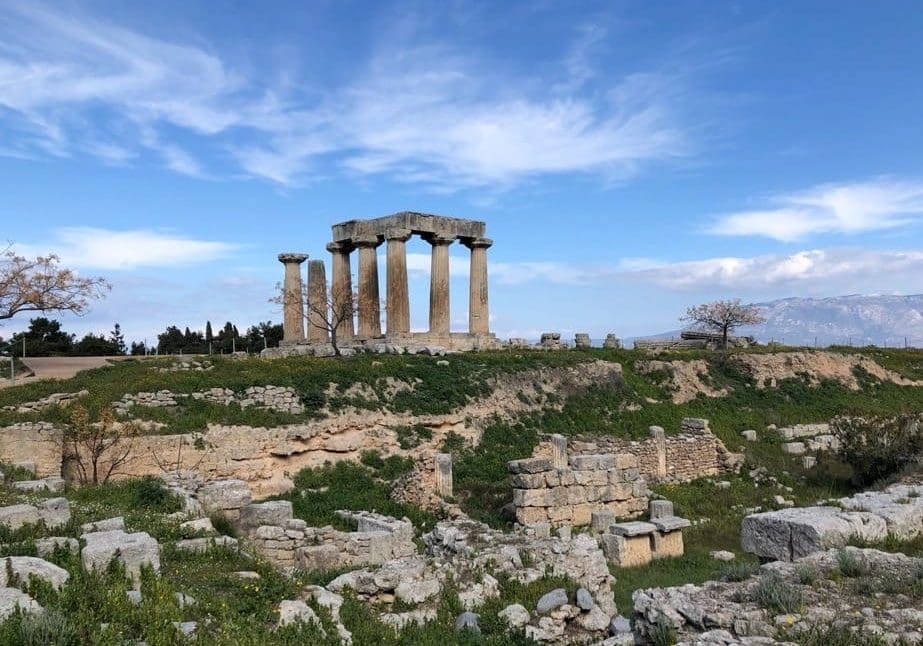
x=118, y=339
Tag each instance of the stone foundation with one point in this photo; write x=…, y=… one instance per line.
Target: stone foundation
x=568, y=495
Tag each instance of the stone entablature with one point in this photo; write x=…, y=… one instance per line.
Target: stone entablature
x=693, y=453
x=569, y=494
x=290, y=544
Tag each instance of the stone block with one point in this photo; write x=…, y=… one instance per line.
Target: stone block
x=667, y=544
x=670, y=524
x=576, y=495
x=633, y=528
x=224, y=495
x=626, y=461
x=45, y=546
x=318, y=557
x=793, y=448
x=273, y=512
x=533, y=497
x=106, y=525
x=601, y=519
x=531, y=515
x=12, y=599
x=789, y=534
x=134, y=551
x=202, y=545
x=660, y=509
x=750, y=435
x=563, y=514
x=627, y=551
x=16, y=516
x=582, y=514
x=696, y=423
x=529, y=465
x=531, y=480
x=552, y=478
x=55, y=512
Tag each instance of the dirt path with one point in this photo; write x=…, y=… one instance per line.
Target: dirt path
x=58, y=367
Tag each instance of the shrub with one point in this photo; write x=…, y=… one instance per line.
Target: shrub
x=662, y=632
x=150, y=493
x=806, y=574
x=739, y=570
x=850, y=565
x=878, y=447
x=777, y=595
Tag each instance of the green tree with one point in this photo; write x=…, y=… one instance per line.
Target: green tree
x=118, y=339
x=44, y=338
x=95, y=345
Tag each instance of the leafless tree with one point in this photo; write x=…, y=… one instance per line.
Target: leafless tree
x=723, y=316
x=42, y=284
x=98, y=449
x=167, y=465
x=330, y=314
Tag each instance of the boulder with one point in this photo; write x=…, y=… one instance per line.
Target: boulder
x=134, y=551
x=55, y=512
x=414, y=592
x=585, y=599
x=197, y=526
x=202, y=545
x=22, y=568
x=45, y=546
x=515, y=616
x=468, y=621
x=901, y=507
x=107, y=525
x=11, y=599
x=789, y=534
x=291, y=612
x=15, y=516
x=550, y=601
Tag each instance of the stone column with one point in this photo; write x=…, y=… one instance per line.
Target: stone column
x=558, y=451
x=369, y=306
x=659, y=438
x=318, y=312
x=444, y=475
x=342, y=289
x=439, y=286
x=292, y=297
x=478, y=315
x=398, y=294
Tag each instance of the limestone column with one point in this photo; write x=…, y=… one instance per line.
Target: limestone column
x=342, y=289
x=444, y=485
x=439, y=286
x=478, y=314
x=292, y=297
x=369, y=305
x=318, y=312
x=558, y=451
x=398, y=308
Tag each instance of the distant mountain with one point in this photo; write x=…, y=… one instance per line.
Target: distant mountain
x=855, y=319
x=838, y=320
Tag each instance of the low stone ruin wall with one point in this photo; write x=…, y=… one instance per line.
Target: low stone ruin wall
x=801, y=438
x=694, y=453
x=54, y=399
x=278, y=398
x=568, y=494
x=290, y=544
x=37, y=443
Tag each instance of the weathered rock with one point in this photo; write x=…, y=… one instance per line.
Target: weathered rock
x=107, y=525
x=198, y=526
x=228, y=495
x=16, y=516
x=750, y=435
x=722, y=555
x=45, y=546
x=296, y=611
x=55, y=512
x=619, y=625
x=789, y=534
x=551, y=600
x=134, y=551
x=202, y=545
x=414, y=592
x=11, y=599
x=22, y=568
x=585, y=599
x=516, y=616
x=274, y=512
x=660, y=509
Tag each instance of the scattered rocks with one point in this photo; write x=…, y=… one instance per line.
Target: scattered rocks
x=516, y=616
x=202, y=545
x=585, y=599
x=468, y=621
x=722, y=555
x=551, y=600
x=750, y=435
x=296, y=611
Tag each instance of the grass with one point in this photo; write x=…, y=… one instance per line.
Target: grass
x=777, y=595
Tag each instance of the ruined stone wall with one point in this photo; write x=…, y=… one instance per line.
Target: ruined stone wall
x=38, y=443
x=694, y=453
x=567, y=495
x=290, y=544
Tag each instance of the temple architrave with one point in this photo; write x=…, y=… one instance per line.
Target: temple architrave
x=364, y=237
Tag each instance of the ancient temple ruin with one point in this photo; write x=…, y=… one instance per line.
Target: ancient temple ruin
x=365, y=329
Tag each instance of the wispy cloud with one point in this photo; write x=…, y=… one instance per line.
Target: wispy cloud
x=849, y=208
x=92, y=248
x=431, y=114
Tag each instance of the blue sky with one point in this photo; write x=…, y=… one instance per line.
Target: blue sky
x=630, y=158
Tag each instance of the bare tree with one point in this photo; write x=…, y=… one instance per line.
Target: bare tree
x=723, y=316
x=338, y=306
x=98, y=449
x=41, y=284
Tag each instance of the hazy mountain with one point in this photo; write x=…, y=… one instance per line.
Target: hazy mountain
x=854, y=319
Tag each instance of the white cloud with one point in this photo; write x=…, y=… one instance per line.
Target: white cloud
x=425, y=114
x=92, y=248
x=872, y=205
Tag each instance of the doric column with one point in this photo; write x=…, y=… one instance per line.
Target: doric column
x=292, y=297
x=478, y=314
x=398, y=308
x=369, y=302
x=318, y=311
x=439, y=286
x=342, y=289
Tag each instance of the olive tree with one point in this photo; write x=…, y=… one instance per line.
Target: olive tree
x=723, y=317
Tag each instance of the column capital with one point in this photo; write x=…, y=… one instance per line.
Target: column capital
x=343, y=246
x=477, y=243
x=293, y=257
x=400, y=235
x=438, y=239
x=366, y=241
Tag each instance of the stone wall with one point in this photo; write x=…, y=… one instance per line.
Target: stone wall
x=568, y=494
x=36, y=442
x=290, y=544
x=278, y=398
x=693, y=453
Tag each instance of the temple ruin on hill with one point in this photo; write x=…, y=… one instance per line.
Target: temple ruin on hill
x=365, y=329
